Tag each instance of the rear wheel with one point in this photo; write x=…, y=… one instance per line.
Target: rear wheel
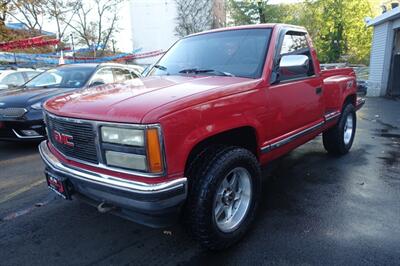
x=224, y=196
x=339, y=139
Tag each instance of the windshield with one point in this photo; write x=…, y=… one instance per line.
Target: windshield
x=238, y=53
x=67, y=77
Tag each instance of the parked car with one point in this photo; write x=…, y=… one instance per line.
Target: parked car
x=11, y=78
x=21, y=116
x=190, y=138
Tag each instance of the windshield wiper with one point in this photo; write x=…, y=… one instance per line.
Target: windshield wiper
x=199, y=71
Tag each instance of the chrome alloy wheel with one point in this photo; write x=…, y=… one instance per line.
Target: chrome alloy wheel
x=233, y=199
x=348, y=129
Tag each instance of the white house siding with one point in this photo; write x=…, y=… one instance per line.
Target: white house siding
x=153, y=25
x=380, y=59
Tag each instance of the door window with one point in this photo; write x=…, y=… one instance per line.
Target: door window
x=103, y=76
x=134, y=74
x=295, y=43
x=14, y=79
x=122, y=75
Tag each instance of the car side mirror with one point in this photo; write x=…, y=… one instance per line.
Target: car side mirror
x=96, y=83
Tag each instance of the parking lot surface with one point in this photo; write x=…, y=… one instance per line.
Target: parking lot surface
x=316, y=209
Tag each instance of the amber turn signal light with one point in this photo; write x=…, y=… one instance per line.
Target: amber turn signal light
x=154, y=151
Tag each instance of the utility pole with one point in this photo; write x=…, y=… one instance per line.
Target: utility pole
x=73, y=47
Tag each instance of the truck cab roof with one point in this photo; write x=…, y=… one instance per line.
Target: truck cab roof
x=254, y=26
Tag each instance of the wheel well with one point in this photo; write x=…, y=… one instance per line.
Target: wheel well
x=352, y=98
x=244, y=137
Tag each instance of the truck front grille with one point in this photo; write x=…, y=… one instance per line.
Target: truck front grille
x=83, y=138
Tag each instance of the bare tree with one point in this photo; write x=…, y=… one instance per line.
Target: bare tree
x=30, y=13
x=96, y=24
x=193, y=16
x=62, y=12
x=4, y=6
x=82, y=27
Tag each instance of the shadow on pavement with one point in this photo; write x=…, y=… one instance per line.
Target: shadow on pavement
x=11, y=150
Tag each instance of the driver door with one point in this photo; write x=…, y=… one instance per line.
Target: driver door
x=295, y=101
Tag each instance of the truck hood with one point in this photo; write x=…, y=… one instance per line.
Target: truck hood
x=25, y=97
x=131, y=101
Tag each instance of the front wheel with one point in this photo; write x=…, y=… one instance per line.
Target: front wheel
x=224, y=197
x=339, y=139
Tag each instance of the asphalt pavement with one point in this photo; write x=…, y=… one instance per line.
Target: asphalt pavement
x=316, y=209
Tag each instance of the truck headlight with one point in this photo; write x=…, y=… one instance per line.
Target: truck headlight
x=134, y=149
x=123, y=136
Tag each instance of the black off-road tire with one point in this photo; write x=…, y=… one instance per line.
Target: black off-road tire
x=333, y=138
x=206, y=174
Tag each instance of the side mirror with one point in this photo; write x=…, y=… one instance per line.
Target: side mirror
x=295, y=62
x=291, y=67
x=96, y=83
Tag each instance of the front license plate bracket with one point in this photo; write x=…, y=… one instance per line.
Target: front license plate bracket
x=59, y=185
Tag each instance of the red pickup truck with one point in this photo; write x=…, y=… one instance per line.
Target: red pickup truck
x=188, y=140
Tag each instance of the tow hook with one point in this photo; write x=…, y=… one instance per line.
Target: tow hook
x=105, y=207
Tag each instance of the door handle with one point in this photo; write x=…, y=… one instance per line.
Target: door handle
x=318, y=90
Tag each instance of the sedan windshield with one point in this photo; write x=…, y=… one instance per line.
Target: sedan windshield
x=238, y=53
x=67, y=77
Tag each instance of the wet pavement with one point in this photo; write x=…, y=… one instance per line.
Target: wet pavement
x=316, y=209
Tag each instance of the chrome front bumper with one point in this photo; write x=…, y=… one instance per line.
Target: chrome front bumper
x=148, y=204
